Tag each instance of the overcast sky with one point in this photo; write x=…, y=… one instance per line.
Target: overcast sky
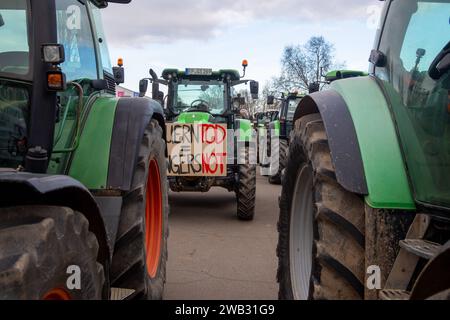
x=219, y=34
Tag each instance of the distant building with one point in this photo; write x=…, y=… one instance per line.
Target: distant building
x=122, y=92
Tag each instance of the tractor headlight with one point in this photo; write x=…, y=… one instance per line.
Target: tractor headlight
x=53, y=53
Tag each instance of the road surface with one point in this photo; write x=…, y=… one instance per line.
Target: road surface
x=214, y=256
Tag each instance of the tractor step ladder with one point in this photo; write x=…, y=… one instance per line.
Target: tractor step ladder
x=412, y=250
x=421, y=248
x=394, y=295
x=121, y=294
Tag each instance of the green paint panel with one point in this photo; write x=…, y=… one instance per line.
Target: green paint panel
x=234, y=74
x=277, y=127
x=246, y=128
x=344, y=74
x=91, y=160
x=194, y=117
x=383, y=162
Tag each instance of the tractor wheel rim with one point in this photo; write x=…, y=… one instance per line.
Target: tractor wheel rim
x=301, y=236
x=57, y=294
x=153, y=219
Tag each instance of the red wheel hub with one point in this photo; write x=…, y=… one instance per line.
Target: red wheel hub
x=57, y=294
x=153, y=219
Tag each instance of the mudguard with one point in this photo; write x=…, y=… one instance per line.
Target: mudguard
x=109, y=144
x=22, y=189
x=363, y=140
x=132, y=117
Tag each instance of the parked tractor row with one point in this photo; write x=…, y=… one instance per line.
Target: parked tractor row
x=363, y=160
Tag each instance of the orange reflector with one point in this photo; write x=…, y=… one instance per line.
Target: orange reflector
x=245, y=63
x=120, y=62
x=55, y=80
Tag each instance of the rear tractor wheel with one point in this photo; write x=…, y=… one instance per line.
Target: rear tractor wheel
x=246, y=189
x=321, y=226
x=140, y=255
x=40, y=248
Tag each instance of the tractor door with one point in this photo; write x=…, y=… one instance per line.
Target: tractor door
x=415, y=42
x=75, y=33
x=15, y=82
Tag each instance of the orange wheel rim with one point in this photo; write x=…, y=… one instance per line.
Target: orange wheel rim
x=153, y=219
x=57, y=294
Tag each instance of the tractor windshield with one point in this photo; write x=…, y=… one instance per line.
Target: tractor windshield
x=14, y=45
x=200, y=96
x=417, y=33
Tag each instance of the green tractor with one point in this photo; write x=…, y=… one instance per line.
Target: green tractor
x=203, y=98
x=282, y=123
x=84, y=205
x=264, y=119
x=282, y=127
x=365, y=208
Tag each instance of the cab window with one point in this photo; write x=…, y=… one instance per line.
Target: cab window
x=75, y=33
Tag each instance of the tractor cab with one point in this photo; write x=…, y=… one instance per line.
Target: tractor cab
x=284, y=120
x=413, y=65
x=46, y=73
x=205, y=93
x=332, y=76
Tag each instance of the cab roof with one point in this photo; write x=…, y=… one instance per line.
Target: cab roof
x=344, y=74
x=220, y=75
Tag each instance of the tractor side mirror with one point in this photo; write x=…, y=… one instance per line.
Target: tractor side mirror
x=143, y=87
x=440, y=66
x=254, y=89
x=314, y=87
x=119, y=72
x=119, y=75
x=155, y=90
x=378, y=59
x=270, y=100
x=2, y=22
x=159, y=96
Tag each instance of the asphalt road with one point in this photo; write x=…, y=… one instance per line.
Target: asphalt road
x=214, y=256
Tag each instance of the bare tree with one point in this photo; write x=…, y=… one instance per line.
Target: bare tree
x=303, y=65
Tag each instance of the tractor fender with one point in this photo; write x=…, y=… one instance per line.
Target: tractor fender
x=131, y=118
x=363, y=141
x=342, y=137
x=110, y=140
x=25, y=189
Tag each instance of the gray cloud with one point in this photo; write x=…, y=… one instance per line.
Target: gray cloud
x=170, y=20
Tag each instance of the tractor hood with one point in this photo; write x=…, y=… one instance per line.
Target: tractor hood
x=195, y=117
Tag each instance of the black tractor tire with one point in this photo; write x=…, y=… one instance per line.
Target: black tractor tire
x=38, y=245
x=246, y=188
x=337, y=251
x=130, y=267
x=283, y=152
